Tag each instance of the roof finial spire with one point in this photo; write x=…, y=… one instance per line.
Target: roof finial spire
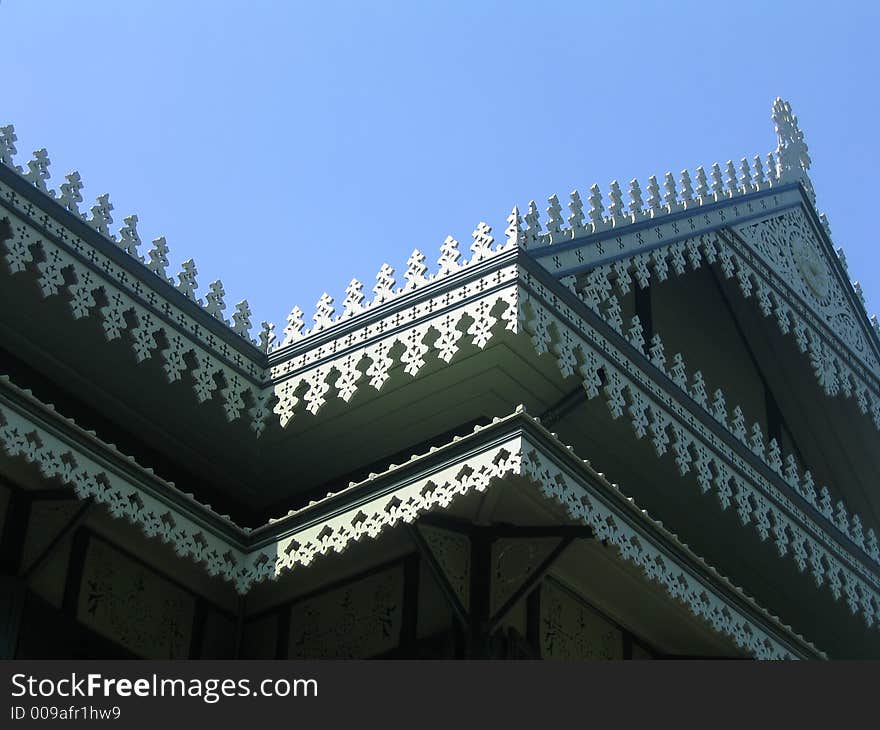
x=792, y=151
x=513, y=234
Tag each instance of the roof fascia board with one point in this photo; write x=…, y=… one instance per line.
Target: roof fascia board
x=163, y=289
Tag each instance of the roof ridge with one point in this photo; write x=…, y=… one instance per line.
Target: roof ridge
x=790, y=162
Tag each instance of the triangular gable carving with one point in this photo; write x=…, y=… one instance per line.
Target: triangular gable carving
x=788, y=243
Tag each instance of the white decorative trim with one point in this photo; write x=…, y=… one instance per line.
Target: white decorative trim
x=94, y=285
x=601, y=295
x=624, y=526
x=433, y=326
x=55, y=452
x=716, y=464
x=605, y=283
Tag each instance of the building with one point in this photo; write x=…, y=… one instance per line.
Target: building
x=643, y=425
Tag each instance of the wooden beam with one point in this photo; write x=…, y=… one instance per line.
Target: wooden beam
x=480, y=593
x=538, y=531
x=446, y=522
x=410, y=612
x=68, y=528
x=437, y=571
x=530, y=582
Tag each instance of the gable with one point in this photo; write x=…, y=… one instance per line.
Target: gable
x=801, y=260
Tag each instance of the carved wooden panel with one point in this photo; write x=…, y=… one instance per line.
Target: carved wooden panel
x=132, y=605
x=358, y=620
x=570, y=629
x=452, y=551
x=513, y=561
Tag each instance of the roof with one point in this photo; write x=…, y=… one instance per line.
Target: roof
x=515, y=446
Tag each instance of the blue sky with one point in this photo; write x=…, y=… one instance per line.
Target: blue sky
x=288, y=147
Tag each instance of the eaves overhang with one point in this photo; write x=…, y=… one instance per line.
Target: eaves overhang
x=515, y=447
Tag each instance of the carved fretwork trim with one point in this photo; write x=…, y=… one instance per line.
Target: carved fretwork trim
x=589, y=348
x=472, y=312
x=835, y=370
x=512, y=447
x=64, y=265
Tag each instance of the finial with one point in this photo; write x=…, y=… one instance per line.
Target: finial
x=481, y=247
x=794, y=158
x=513, y=234
x=745, y=175
x=187, y=279
x=670, y=196
x=214, y=304
x=101, y=218
x=772, y=169
x=677, y=372
x=717, y=182
x=635, y=200
x=732, y=182
x=158, y=258
x=324, y=312
x=449, y=256
x=7, y=146
x=759, y=173
x=267, y=336
x=354, y=298
x=698, y=389
x=615, y=210
x=241, y=319
x=657, y=353
x=739, y=424
x=857, y=287
x=38, y=169
x=719, y=407
x=654, y=196
x=597, y=219
x=385, y=283
x=637, y=334
x=533, y=226
x=415, y=269
x=294, y=329
x=687, y=189
x=576, y=214
x=71, y=196
x=555, y=220
x=702, y=185
x=129, y=240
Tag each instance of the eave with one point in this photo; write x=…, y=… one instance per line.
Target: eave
x=509, y=448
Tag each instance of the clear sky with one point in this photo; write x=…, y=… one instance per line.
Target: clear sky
x=288, y=147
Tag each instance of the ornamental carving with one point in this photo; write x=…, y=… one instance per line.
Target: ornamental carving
x=570, y=629
x=788, y=244
x=133, y=606
x=357, y=621
x=452, y=551
x=72, y=465
x=513, y=561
